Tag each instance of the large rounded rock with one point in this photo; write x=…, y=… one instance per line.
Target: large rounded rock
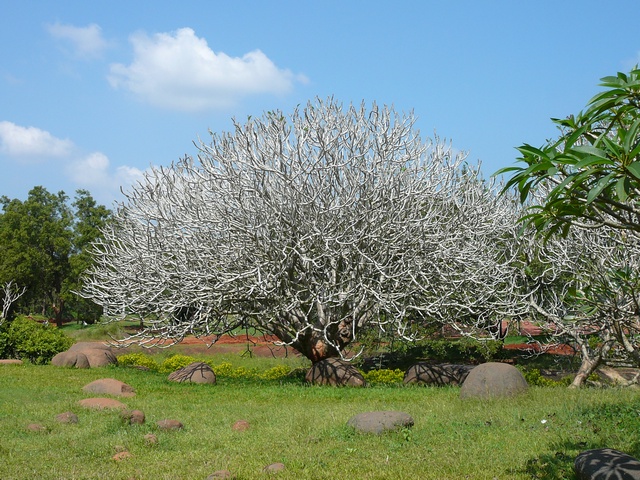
x=70, y=359
x=606, y=464
x=380, y=422
x=334, y=371
x=85, y=355
x=493, y=379
x=109, y=386
x=196, y=372
x=440, y=374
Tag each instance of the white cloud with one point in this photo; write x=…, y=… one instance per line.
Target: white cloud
x=94, y=172
x=179, y=71
x=17, y=141
x=87, y=42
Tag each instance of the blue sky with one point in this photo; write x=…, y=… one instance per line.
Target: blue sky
x=94, y=92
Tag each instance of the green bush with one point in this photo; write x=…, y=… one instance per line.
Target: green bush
x=29, y=340
x=462, y=350
x=534, y=377
x=138, y=360
x=384, y=376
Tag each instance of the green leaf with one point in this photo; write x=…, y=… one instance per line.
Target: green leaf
x=631, y=136
x=591, y=150
x=593, y=161
x=634, y=169
x=622, y=189
x=600, y=186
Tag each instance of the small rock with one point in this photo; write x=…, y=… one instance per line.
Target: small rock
x=274, y=468
x=169, y=425
x=221, y=474
x=36, y=427
x=132, y=417
x=150, y=439
x=196, y=372
x=118, y=457
x=101, y=403
x=11, y=361
x=67, y=417
x=380, y=422
x=110, y=386
x=606, y=464
x=241, y=426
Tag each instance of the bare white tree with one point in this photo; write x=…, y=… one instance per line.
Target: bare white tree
x=310, y=228
x=586, y=286
x=10, y=292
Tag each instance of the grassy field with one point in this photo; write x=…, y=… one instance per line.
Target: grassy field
x=534, y=436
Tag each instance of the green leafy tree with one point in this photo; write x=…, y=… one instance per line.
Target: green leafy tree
x=36, y=241
x=582, y=193
x=89, y=218
x=42, y=248
x=592, y=171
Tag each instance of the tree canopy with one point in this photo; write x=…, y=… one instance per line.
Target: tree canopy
x=311, y=228
x=591, y=173
x=582, y=198
x=42, y=249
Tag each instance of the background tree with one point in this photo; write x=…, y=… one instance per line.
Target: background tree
x=9, y=293
x=89, y=218
x=310, y=228
x=35, y=237
x=586, y=288
x=41, y=247
x=582, y=195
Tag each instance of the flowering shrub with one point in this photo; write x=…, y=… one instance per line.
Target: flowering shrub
x=276, y=373
x=176, y=362
x=224, y=369
x=384, y=376
x=138, y=360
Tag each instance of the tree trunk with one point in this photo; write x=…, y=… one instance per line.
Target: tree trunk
x=587, y=367
x=313, y=344
x=315, y=347
x=58, y=311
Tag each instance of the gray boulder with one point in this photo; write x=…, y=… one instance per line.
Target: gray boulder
x=606, y=464
x=439, y=374
x=85, y=355
x=336, y=372
x=380, y=422
x=492, y=380
x=196, y=372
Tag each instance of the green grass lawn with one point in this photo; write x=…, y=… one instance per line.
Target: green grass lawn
x=534, y=436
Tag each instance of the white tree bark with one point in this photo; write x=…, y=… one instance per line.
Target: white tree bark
x=587, y=287
x=311, y=228
x=10, y=292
